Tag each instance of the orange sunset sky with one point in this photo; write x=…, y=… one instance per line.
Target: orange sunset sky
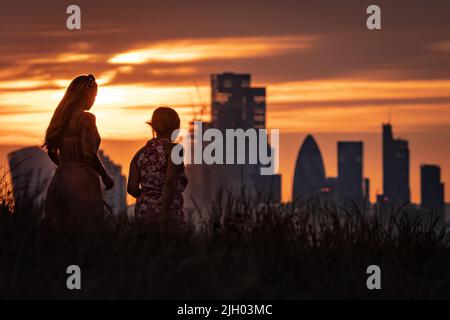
x=325, y=73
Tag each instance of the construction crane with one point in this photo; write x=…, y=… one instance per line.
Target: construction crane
x=198, y=110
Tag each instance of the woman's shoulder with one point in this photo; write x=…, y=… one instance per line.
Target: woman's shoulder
x=139, y=153
x=155, y=146
x=169, y=148
x=87, y=119
x=80, y=119
x=161, y=145
x=167, y=144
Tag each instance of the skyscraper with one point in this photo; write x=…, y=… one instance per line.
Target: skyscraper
x=235, y=104
x=116, y=197
x=395, y=168
x=432, y=189
x=309, y=175
x=31, y=172
x=350, y=171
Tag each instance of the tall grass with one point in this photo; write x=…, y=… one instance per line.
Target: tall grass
x=240, y=250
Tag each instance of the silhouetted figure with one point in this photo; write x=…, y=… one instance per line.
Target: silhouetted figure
x=75, y=197
x=154, y=179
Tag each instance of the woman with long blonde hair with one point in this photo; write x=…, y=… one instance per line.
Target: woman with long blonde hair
x=75, y=195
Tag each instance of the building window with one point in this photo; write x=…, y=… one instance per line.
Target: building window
x=227, y=83
x=222, y=97
x=258, y=117
x=260, y=99
x=259, y=111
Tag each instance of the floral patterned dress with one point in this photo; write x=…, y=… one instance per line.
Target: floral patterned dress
x=152, y=165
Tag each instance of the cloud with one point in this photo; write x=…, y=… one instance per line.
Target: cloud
x=341, y=90
x=310, y=55
x=291, y=106
x=188, y=50
x=19, y=110
x=441, y=46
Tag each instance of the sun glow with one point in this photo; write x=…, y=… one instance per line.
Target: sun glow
x=336, y=90
x=188, y=50
x=292, y=106
x=23, y=84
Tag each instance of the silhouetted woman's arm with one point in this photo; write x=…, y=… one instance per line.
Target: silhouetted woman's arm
x=170, y=184
x=133, y=187
x=103, y=173
x=90, y=143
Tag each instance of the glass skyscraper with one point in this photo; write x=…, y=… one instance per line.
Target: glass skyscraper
x=396, y=187
x=432, y=189
x=350, y=171
x=309, y=175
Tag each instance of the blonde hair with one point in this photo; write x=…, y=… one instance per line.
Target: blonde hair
x=71, y=101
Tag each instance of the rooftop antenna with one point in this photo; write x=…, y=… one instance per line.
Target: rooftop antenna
x=389, y=114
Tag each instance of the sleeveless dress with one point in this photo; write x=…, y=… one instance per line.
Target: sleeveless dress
x=75, y=196
x=152, y=165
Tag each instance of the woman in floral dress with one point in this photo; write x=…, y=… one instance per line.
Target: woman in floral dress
x=155, y=180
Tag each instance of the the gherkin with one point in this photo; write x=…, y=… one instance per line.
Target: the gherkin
x=309, y=176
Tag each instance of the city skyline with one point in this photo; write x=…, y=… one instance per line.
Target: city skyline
x=309, y=148
x=310, y=179
x=324, y=72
